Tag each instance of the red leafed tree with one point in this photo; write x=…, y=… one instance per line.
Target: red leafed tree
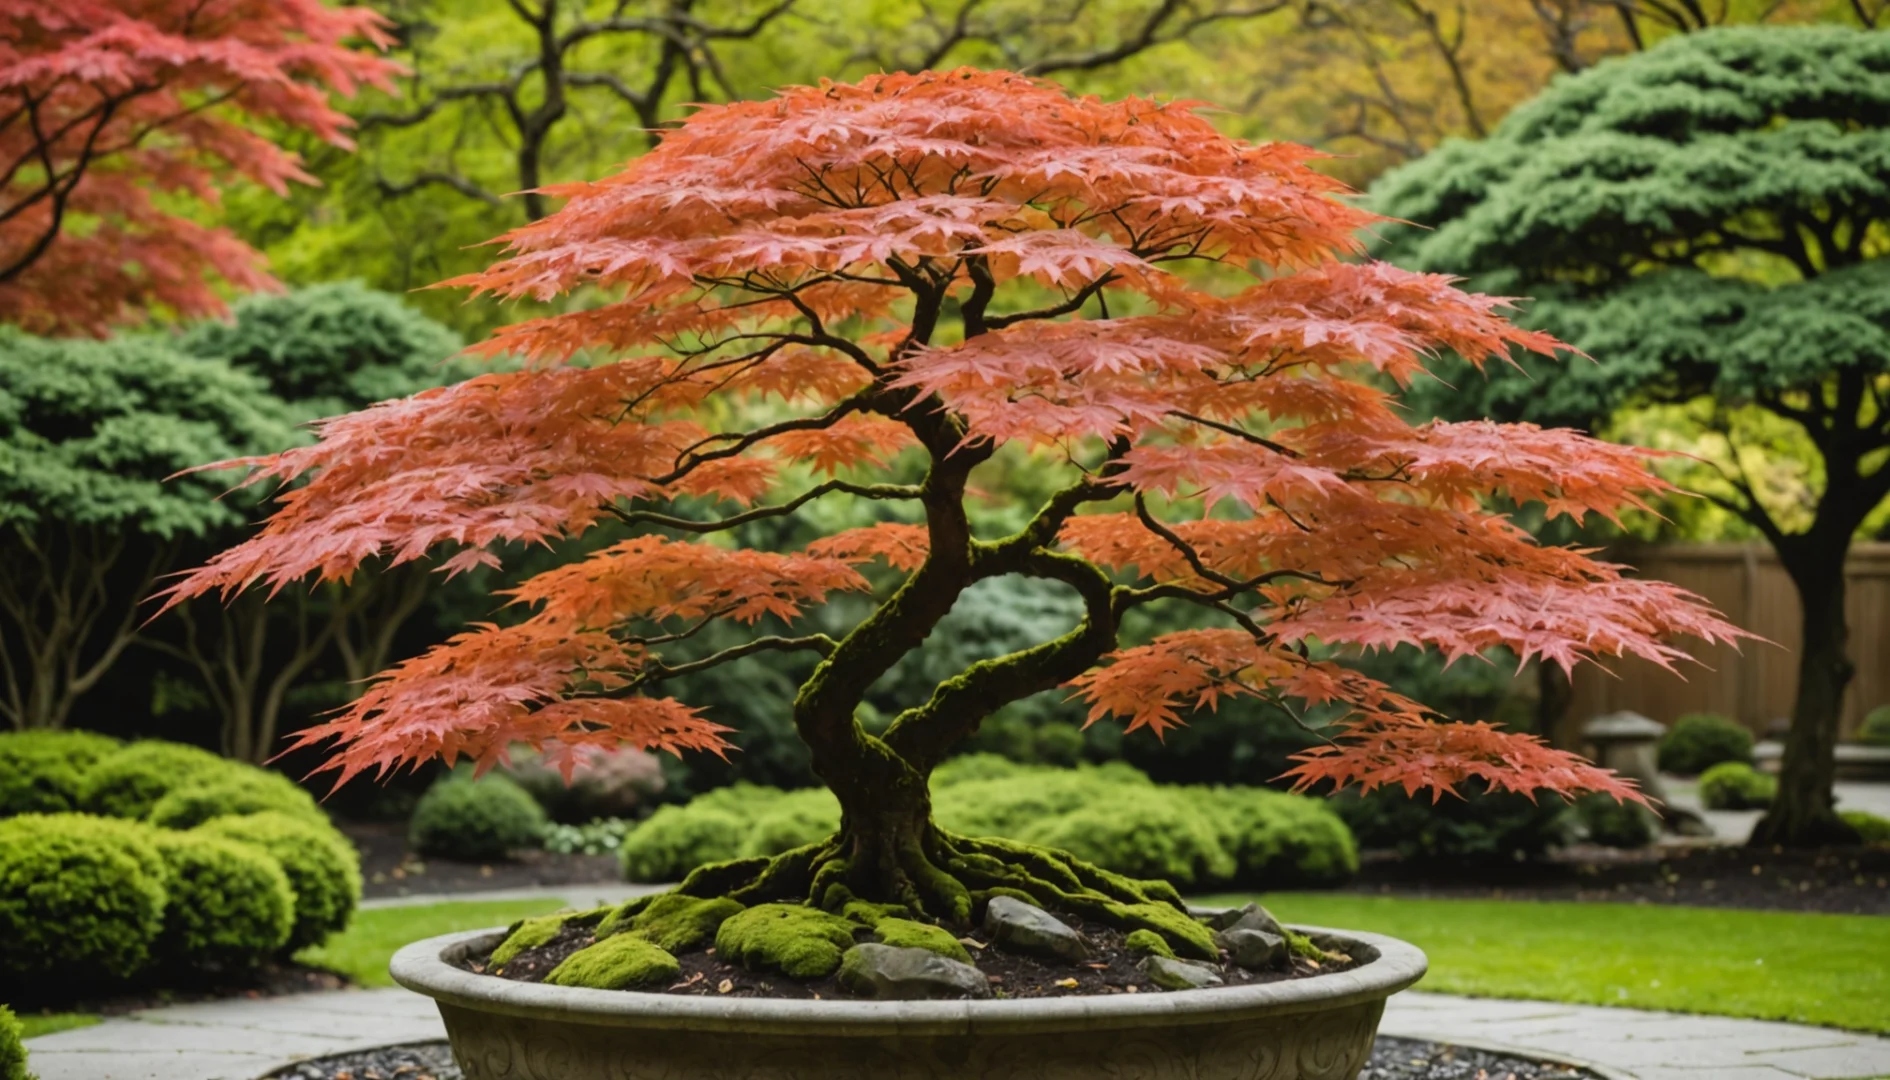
x=938, y=265
x=112, y=111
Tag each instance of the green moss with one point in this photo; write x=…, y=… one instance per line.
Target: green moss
x=906, y=934
x=675, y=922
x=1148, y=941
x=529, y=934
x=615, y=963
x=869, y=914
x=799, y=942
x=1189, y=938
x=1301, y=945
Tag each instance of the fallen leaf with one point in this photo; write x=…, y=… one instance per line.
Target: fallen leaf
x=970, y=942
x=1067, y=984
x=726, y=986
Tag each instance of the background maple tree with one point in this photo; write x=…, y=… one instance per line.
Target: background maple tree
x=934, y=268
x=112, y=113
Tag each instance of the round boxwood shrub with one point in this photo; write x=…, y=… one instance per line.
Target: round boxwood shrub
x=1699, y=741
x=677, y=839
x=41, y=771
x=1875, y=730
x=128, y=782
x=238, y=789
x=323, y=869
x=1616, y=824
x=474, y=820
x=230, y=905
x=1277, y=840
x=1148, y=833
x=794, y=820
x=78, y=900
x=1734, y=785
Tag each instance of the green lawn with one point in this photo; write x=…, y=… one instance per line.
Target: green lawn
x=1810, y=969
x=33, y=1025
x=362, y=952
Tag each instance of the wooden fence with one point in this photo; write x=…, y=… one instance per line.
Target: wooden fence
x=1754, y=684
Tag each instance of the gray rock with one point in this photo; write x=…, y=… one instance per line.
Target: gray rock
x=1019, y=927
x=1178, y=974
x=1253, y=949
x=894, y=974
x=1251, y=917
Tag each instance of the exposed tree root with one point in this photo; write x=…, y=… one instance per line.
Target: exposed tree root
x=948, y=879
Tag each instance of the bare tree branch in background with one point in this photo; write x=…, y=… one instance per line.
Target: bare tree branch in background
x=534, y=96
x=1046, y=38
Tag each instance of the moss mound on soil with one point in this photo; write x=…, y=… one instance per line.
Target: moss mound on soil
x=906, y=934
x=1148, y=941
x=798, y=941
x=674, y=922
x=615, y=963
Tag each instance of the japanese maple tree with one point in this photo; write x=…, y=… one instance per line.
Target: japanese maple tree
x=941, y=264
x=112, y=111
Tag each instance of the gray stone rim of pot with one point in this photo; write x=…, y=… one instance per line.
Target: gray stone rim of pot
x=429, y=967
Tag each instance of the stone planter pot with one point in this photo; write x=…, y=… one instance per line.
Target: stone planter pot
x=1318, y=1028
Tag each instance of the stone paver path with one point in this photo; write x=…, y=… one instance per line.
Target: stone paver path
x=242, y=1039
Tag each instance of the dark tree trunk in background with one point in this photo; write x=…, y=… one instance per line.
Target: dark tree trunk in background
x=1803, y=814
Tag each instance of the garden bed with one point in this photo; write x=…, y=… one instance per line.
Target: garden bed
x=390, y=869
x=1392, y=1059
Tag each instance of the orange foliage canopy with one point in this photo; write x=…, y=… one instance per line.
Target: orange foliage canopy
x=932, y=266
x=112, y=109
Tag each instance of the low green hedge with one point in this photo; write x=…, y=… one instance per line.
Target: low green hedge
x=12, y=1051
x=41, y=771
x=228, y=906
x=92, y=899
x=1871, y=829
x=1474, y=826
x=475, y=820
x=1699, y=741
x=1112, y=815
x=323, y=869
x=1875, y=730
x=79, y=902
x=1734, y=785
x=1616, y=824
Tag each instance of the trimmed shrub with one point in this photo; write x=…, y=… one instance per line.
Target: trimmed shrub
x=12, y=1051
x=1616, y=824
x=129, y=782
x=603, y=785
x=1875, y=730
x=41, y=771
x=1278, y=840
x=677, y=839
x=240, y=789
x=1871, y=829
x=473, y=820
x=1151, y=833
x=323, y=869
x=1478, y=826
x=78, y=900
x=230, y=905
x=1699, y=741
x=1734, y=785
x=1011, y=805
x=968, y=767
x=796, y=819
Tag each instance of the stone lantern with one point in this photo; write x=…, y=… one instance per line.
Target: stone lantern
x=1628, y=743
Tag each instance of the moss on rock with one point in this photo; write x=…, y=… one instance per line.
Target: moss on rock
x=674, y=922
x=1148, y=941
x=1186, y=936
x=1301, y=945
x=528, y=934
x=615, y=963
x=798, y=941
x=906, y=934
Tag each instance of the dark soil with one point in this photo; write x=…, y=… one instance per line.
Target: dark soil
x=173, y=987
x=1852, y=881
x=389, y=869
x=1392, y=1059
x=1113, y=971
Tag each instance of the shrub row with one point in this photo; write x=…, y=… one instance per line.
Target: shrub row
x=1111, y=815
x=157, y=856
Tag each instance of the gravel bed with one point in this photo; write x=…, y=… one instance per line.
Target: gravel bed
x=1392, y=1059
